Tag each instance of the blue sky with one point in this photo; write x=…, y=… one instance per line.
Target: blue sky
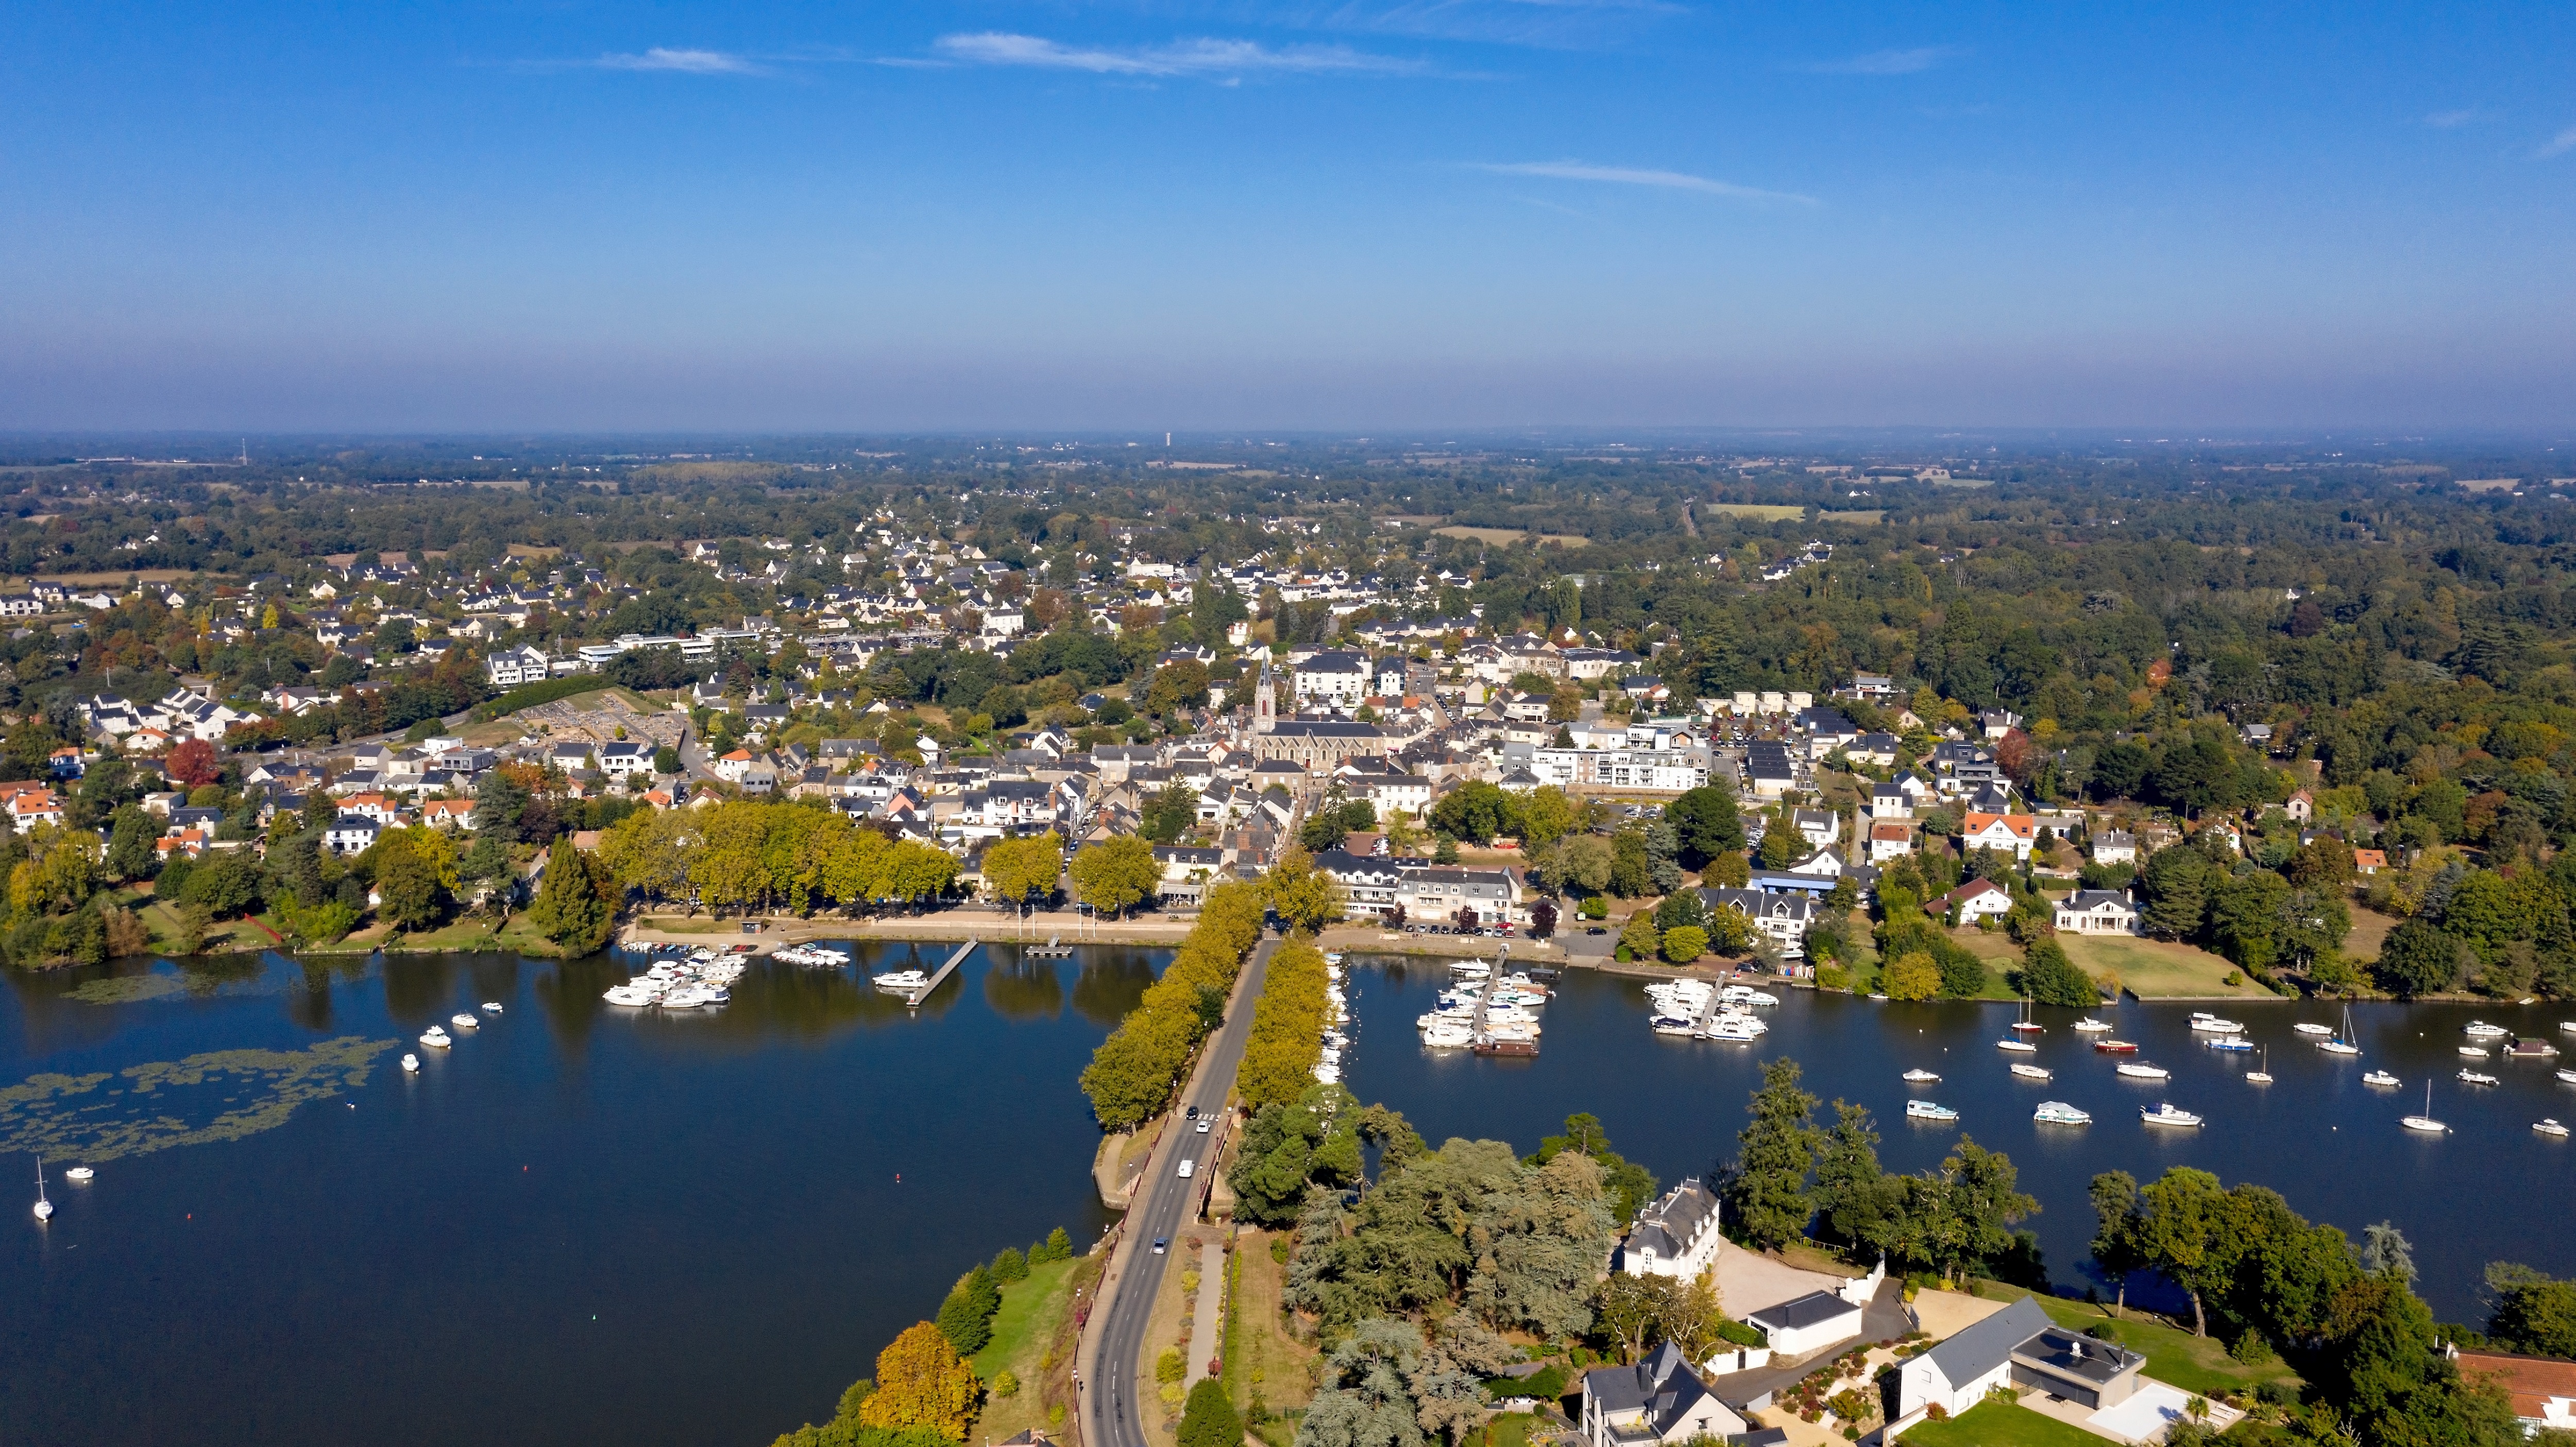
x=1350, y=214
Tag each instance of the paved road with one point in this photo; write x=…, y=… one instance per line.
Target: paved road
x=1110, y=1416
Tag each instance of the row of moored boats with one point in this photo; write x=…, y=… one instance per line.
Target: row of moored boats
x=1483, y=1011
x=1706, y=1010
x=697, y=978
x=437, y=1038
x=1337, y=1027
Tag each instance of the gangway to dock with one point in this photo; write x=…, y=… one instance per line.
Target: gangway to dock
x=940, y=976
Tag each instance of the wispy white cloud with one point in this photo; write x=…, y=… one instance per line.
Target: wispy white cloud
x=2559, y=144
x=1179, y=58
x=2446, y=120
x=1546, y=24
x=1889, y=62
x=684, y=62
x=1638, y=176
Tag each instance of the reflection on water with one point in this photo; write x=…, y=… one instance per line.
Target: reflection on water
x=777, y=1186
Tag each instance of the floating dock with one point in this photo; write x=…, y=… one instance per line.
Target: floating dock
x=940, y=976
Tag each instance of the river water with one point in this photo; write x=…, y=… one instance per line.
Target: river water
x=580, y=1224
x=2490, y=1189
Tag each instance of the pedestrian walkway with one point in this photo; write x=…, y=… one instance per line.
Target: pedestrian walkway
x=1207, y=1329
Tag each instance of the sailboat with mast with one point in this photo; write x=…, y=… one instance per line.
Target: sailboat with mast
x=44, y=1208
x=2014, y=1042
x=2264, y=1075
x=2425, y=1122
x=2341, y=1042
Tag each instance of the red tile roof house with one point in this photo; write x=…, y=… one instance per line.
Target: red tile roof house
x=2543, y=1390
x=2012, y=833
x=1976, y=899
x=2369, y=861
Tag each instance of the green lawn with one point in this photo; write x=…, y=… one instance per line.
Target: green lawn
x=2174, y=1356
x=2150, y=969
x=477, y=934
x=1992, y=1424
x=1027, y=1307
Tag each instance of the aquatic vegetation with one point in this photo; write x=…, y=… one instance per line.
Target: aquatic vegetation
x=217, y=1096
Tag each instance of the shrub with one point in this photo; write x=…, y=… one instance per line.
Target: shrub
x=1210, y=1420
x=1685, y=943
x=1169, y=1367
x=1005, y=1384
x=1010, y=1266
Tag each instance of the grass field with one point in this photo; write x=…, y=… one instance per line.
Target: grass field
x=1992, y=1424
x=2159, y=969
x=1511, y=535
x=1032, y=1340
x=1861, y=515
x=1767, y=511
x=478, y=934
x=2000, y=954
x=2369, y=931
x=2174, y=1356
x=1273, y=1364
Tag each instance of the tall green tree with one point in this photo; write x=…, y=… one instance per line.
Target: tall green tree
x=2185, y=1234
x=1708, y=823
x=2119, y=1233
x=571, y=909
x=1768, y=1184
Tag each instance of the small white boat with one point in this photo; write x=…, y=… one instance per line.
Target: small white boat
x=2474, y=1052
x=463, y=1021
x=435, y=1038
x=2058, y=1112
x=1926, y=1110
x=900, y=981
x=80, y=1174
x=2425, y=1122
x=491, y=1007
x=2208, y=1024
x=2568, y=1075
x=2550, y=1128
x=44, y=1208
x=1672, y=1025
x=2379, y=1077
x=2166, y=1113
x=411, y=1063
x=1332, y=958
x=2311, y=1027
x=2090, y=1026
x=2477, y=1077
x=1921, y=1077
x=2021, y=1046
x=2481, y=1030
x=2140, y=1070
x=634, y=994
x=2029, y=1072
x=2025, y=1025
x=2262, y=1076
x=1734, y=1027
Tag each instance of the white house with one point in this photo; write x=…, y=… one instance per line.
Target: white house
x=2097, y=912
x=1977, y=899
x=2016, y=1347
x=1335, y=675
x=351, y=834
x=510, y=667
x=1656, y=1402
x=1783, y=918
x=1438, y=892
x=2114, y=846
x=2012, y=834
x=1676, y=1236
x=1893, y=840
x=1804, y=1324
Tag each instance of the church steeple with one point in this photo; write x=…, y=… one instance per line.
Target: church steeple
x=1265, y=704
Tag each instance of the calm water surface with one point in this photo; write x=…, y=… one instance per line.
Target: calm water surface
x=580, y=1224
x=2491, y=1189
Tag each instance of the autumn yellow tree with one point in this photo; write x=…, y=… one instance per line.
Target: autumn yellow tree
x=1304, y=896
x=922, y=1383
x=1115, y=875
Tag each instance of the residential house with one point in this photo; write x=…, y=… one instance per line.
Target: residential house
x=1656, y=1403
x=1780, y=917
x=1890, y=801
x=1890, y=841
x=510, y=667
x=1371, y=884
x=730, y=767
x=621, y=759
x=351, y=834
x=2302, y=807
x=1339, y=676
x=30, y=806
x=2369, y=861
x=2014, y=834
x=1187, y=873
x=1808, y=1323
x=1768, y=769
x=2016, y=1347
x=1440, y=893
x=448, y=813
x=2542, y=1390
x=2115, y=846
x=1977, y=899
x=1676, y=1235
x=2097, y=912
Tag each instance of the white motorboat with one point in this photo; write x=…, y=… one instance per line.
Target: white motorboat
x=2341, y=1042
x=1672, y=1025
x=1733, y=1027
x=2550, y=1128
x=80, y=1175
x=1921, y=1077
x=2478, y=1077
x=44, y=1208
x=2166, y=1113
x=2022, y=1047
x=1448, y=1038
x=2209, y=1024
x=2090, y=1026
x=2058, y=1112
x=2474, y=1052
x=2029, y=1072
x=2568, y=1025
x=410, y=1063
x=2379, y=1077
x=2311, y=1027
x=2141, y=1070
x=435, y=1038
x=1926, y=1110
x=491, y=1007
x=900, y=981
x=634, y=994
x=2481, y=1030
x=463, y=1021
x=2568, y=1076
x=691, y=997
x=2262, y=1076
x=2426, y=1122
x=1332, y=957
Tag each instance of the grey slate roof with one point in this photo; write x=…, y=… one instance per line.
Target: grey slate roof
x=1813, y=1309
x=1989, y=1343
